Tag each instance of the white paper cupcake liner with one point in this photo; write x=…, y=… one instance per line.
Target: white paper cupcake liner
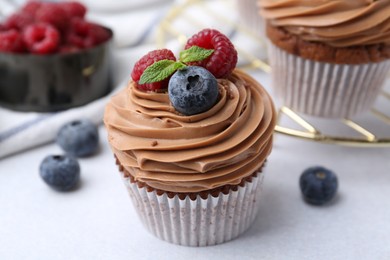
x=199, y=222
x=249, y=12
x=325, y=89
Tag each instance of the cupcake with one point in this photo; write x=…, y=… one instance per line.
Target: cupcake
x=191, y=146
x=328, y=58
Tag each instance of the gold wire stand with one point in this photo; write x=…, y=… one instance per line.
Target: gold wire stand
x=167, y=30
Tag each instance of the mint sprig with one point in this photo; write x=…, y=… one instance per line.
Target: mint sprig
x=162, y=69
x=159, y=71
x=195, y=53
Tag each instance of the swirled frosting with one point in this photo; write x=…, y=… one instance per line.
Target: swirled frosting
x=172, y=152
x=338, y=23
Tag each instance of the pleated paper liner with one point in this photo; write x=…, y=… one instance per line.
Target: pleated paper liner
x=324, y=89
x=202, y=219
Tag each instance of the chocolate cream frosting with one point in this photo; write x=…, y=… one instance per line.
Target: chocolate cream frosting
x=338, y=23
x=176, y=153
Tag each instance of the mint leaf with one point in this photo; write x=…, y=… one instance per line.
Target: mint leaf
x=159, y=71
x=195, y=53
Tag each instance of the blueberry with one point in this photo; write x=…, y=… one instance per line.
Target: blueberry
x=318, y=185
x=78, y=138
x=193, y=90
x=61, y=172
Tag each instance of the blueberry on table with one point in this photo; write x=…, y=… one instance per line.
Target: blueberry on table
x=61, y=172
x=318, y=185
x=193, y=90
x=79, y=138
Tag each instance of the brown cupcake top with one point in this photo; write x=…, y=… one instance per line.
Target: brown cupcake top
x=172, y=152
x=337, y=23
x=322, y=52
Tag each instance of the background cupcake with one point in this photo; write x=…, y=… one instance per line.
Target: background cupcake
x=329, y=58
x=193, y=172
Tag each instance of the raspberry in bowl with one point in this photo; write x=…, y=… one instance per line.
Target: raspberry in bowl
x=52, y=58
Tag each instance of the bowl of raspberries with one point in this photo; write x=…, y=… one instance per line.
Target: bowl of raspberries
x=52, y=58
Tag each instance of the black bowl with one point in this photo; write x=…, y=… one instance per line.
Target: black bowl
x=48, y=83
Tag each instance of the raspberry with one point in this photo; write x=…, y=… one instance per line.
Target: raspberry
x=11, y=41
x=224, y=58
x=19, y=20
x=77, y=32
x=85, y=35
x=97, y=34
x=145, y=62
x=53, y=14
x=74, y=9
x=31, y=7
x=41, y=38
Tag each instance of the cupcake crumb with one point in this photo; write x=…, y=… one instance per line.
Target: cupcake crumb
x=154, y=143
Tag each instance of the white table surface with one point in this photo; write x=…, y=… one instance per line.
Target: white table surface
x=97, y=221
